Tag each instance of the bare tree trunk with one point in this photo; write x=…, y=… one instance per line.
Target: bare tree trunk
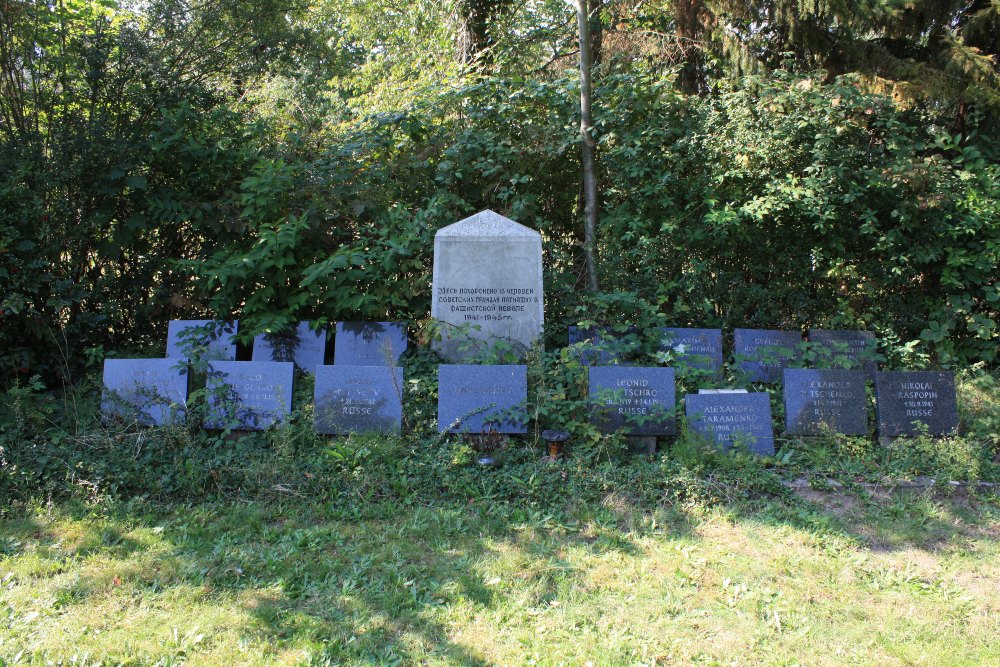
x=587, y=148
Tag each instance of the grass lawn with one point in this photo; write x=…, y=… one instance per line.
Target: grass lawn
x=908, y=579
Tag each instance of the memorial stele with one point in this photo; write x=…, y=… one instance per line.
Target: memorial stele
x=487, y=285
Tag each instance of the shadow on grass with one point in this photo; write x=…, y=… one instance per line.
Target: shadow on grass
x=382, y=586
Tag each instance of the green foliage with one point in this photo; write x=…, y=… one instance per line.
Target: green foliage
x=277, y=164
x=41, y=459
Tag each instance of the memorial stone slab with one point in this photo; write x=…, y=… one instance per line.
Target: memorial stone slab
x=358, y=399
x=723, y=391
x=488, y=278
x=816, y=399
x=369, y=343
x=478, y=399
x=765, y=352
x=248, y=395
x=218, y=339
x=598, y=345
x=153, y=391
x=904, y=399
x=728, y=419
x=305, y=347
x=859, y=347
x=694, y=348
x=640, y=400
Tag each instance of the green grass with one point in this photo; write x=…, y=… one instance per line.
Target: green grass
x=823, y=580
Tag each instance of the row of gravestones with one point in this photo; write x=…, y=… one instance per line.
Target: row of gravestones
x=361, y=387
x=475, y=399
x=762, y=353
x=641, y=401
x=488, y=287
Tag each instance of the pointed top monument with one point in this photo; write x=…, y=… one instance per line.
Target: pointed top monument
x=487, y=286
x=487, y=223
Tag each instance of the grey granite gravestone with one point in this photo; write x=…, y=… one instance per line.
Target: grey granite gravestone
x=728, y=419
x=598, y=346
x=723, y=391
x=488, y=279
x=816, y=399
x=478, y=399
x=640, y=400
x=369, y=343
x=699, y=349
x=303, y=346
x=248, y=395
x=765, y=352
x=216, y=339
x=153, y=391
x=906, y=399
x=859, y=347
x=358, y=399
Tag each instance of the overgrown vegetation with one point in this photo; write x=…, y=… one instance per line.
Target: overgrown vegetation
x=94, y=458
x=767, y=163
x=244, y=160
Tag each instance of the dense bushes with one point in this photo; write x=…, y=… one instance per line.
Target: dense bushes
x=776, y=203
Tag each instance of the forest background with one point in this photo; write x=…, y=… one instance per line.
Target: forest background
x=768, y=163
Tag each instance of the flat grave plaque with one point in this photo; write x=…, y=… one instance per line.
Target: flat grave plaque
x=358, y=399
x=905, y=398
x=859, y=347
x=598, y=345
x=488, y=278
x=728, y=419
x=218, y=339
x=765, y=352
x=819, y=398
x=623, y=396
x=305, y=347
x=477, y=399
x=369, y=343
x=699, y=349
x=248, y=395
x=153, y=391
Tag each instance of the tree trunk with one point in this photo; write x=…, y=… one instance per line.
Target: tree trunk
x=596, y=33
x=587, y=148
x=474, y=39
x=690, y=33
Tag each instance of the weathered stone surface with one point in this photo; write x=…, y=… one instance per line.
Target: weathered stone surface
x=478, y=399
x=816, y=397
x=859, y=347
x=152, y=391
x=765, y=352
x=218, y=339
x=624, y=396
x=369, y=343
x=488, y=277
x=358, y=399
x=699, y=349
x=728, y=419
x=904, y=399
x=248, y=395
x=305, y=347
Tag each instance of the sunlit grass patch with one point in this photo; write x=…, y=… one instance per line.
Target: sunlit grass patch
x=777, y=582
